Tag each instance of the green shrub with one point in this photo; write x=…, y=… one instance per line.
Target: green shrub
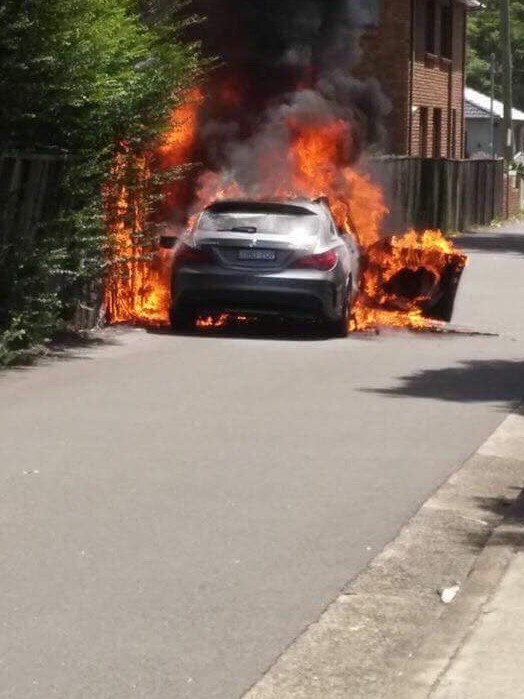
x=86, y=78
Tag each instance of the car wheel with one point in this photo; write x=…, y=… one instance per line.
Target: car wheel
x=182, y=319
x=340, y=327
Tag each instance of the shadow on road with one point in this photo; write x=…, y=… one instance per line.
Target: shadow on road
x=511, y=531
x=471, y=382
x=262, y=329
x=66, y=346
x=511, y=243
x=66, y=341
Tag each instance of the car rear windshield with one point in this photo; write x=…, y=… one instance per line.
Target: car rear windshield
x=284, y=220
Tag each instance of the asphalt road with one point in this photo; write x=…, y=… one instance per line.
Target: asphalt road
x=176, y=510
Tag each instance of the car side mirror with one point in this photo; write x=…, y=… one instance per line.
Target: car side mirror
x=168, y=242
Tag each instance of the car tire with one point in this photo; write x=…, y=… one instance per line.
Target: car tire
x=340, y=327
x=182, y=319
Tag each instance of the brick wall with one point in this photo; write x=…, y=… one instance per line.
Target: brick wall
x=514, y=189
x=438, y=84
x=386, y=56
x=418, y=83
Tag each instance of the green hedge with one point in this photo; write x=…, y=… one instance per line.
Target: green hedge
x=85, y=78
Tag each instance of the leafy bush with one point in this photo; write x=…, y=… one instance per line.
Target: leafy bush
x=86, y=78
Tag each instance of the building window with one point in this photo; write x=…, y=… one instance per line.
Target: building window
x=423, y=135
x=437, y=133
x=439, y=28
x=446, y=31
x=431, y=26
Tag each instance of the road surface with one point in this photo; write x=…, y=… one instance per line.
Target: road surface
x=176, y=510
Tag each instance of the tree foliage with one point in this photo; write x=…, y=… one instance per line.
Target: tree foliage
x=83, y=78
x=484, y=39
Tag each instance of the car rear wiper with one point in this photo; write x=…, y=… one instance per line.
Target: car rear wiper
x=238, y=229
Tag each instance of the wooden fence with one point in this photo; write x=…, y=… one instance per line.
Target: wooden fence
x=29, y=193
x=452, y=195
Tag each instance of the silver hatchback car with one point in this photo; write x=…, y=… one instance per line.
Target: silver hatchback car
x=283, y=258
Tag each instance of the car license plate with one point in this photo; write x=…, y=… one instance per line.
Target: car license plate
x=258, y=255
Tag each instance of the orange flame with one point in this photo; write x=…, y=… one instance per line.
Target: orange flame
x=178, y=141
x=316, y=165
x=137, y=289
x=176, y=149
x=315, y=168
x=401, y=275
x=317, y=154
x=211, y=321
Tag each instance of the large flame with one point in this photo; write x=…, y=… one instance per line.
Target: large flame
x=137, y=288
x=317, y=154
x=401, y=274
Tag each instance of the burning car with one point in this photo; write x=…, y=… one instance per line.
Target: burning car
x=283, y=121
x=284, y=258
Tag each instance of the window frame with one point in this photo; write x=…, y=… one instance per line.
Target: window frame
x=446, y=30
x=431, y=33
x=438, y=122
x=423, y=131
x=438, y=29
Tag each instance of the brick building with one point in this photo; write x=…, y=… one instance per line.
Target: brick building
x=416, y=48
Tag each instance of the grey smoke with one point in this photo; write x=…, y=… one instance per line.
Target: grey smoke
x=271, y=47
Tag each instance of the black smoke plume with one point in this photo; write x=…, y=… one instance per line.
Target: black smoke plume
x=272, y=46
x=276, y=60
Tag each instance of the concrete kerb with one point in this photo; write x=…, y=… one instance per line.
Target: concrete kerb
x=389, y=634
x=440, y=648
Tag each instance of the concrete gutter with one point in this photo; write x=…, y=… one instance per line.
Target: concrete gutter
x=389, y=634
x=425, y=675
x=488, y=663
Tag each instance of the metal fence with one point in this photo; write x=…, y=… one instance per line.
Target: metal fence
x=452, y=195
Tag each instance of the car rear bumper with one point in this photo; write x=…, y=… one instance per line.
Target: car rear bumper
x=299, y=293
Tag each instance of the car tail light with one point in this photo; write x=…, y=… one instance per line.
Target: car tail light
x=186, y=255
x=325, y=261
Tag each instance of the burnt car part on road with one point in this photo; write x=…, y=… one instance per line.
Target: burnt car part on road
x=411, y=276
